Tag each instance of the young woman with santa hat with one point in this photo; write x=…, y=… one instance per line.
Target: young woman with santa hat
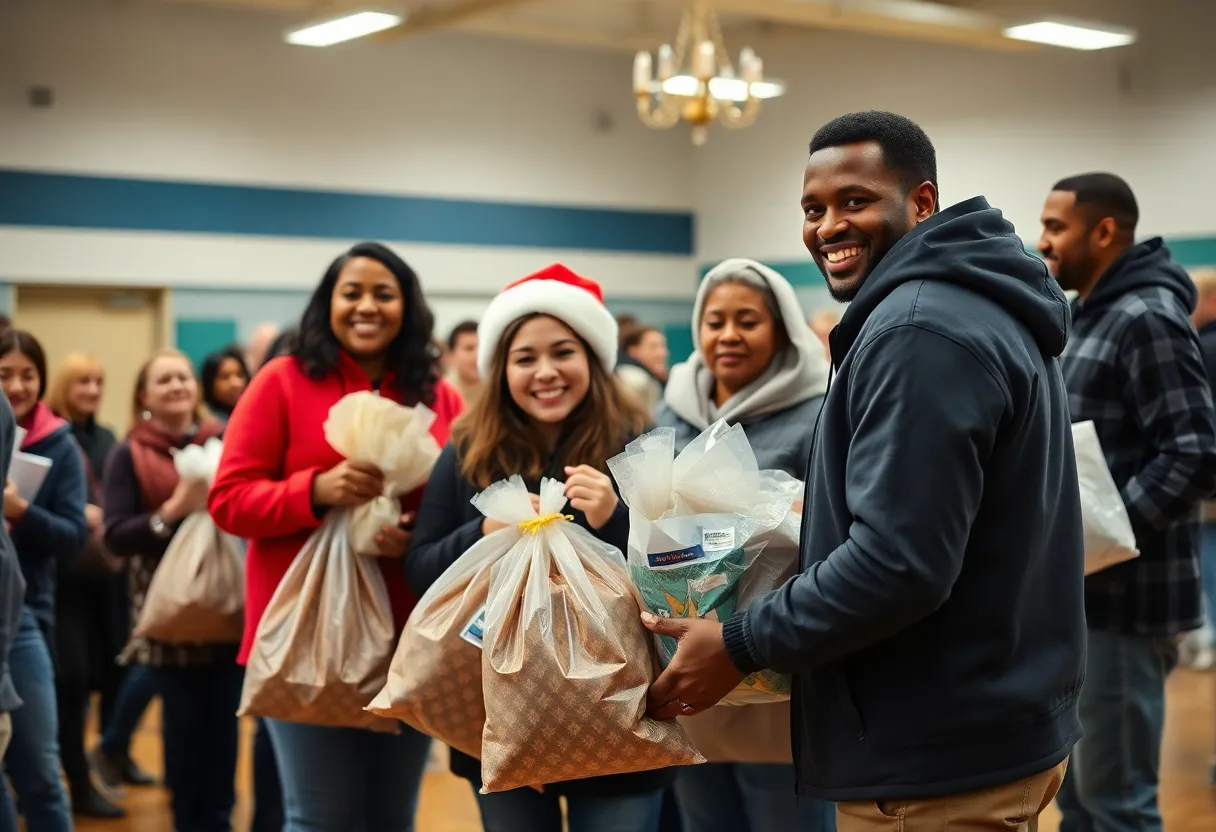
x=367, y=327
x=551, y=407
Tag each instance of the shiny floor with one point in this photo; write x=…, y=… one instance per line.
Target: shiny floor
x=447, y=805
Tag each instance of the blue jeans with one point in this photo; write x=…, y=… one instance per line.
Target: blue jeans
x=1111, y=784
x=1207, y=561
x=348, y=779
x=267, y=791
x=527, y=810
x=748, y=797
x=32, y=759
x=199, y=725
x=135, y=693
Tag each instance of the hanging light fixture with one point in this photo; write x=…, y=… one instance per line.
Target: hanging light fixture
x=696, y=81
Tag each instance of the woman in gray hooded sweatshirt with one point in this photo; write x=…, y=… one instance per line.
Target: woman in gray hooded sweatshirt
x=755, y=363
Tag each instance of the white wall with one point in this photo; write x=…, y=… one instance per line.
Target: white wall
x=1006, y=126
x=203, y=94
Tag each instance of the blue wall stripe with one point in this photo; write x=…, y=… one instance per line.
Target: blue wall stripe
x=33, y=198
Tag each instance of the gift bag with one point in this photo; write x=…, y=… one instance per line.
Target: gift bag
x=323, y=645
x=434, y=681
x=396, y=439
x=197, y=593
x=1109, y=538
x=567, y=663
x=709, y=532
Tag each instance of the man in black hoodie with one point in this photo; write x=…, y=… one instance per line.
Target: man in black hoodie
x=1134, y=367
x=936, y=631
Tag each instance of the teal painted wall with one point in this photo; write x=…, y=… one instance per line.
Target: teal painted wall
x=198, y=337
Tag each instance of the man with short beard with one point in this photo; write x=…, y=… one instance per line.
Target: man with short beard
x=1133, y=366
x=936, y=633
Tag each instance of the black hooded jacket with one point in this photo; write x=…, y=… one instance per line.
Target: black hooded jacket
x=937, y=632
x=1135, y=368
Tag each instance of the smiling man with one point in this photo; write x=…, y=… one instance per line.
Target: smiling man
x=936, y=633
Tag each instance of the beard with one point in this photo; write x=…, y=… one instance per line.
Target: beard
x=893, y=229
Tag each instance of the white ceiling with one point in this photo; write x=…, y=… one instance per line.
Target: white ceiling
x=630, y=25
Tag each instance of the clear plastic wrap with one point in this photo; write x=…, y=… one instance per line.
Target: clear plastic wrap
x=396, y=439
x=567, y=664
x=434, y=681
x=324, y=643
x=1109, y=538
x=197, y=594
x=709, y=532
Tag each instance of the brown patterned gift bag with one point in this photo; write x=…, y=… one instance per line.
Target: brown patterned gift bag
x=567, y=663
x=434, y=681
x=197, y=594
x=324, y=644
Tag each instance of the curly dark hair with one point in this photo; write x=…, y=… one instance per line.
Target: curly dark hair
x=411, y=356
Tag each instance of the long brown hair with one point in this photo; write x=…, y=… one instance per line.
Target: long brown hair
x=497, y=440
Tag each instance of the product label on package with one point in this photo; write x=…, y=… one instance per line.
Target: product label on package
x=474, y=631
x=718, y=540
x=671, y=560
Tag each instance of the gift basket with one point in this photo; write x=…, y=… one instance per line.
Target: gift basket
x=709, y=532
x=567, y=663
x=197, y=594
x=324, y=643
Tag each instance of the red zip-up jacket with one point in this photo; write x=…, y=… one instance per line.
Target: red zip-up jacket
x=273, y=447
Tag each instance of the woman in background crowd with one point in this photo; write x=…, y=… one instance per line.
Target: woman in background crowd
x=366, y=327
x=89, y=598
x=550, y=408
x=145, y=502
x=756, y=364
x=94, y=610
x=48, y=528
x=642, y=365
x=224, y=380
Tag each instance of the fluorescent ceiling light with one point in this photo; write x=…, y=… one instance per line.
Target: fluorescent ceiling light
x=1072, y=35
x=347, y=27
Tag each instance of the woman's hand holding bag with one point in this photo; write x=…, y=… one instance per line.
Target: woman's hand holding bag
x=389, y=452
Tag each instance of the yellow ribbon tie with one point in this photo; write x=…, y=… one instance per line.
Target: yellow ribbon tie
x=534, y=525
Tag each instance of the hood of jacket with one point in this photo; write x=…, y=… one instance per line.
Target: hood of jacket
x=971, y=245
x=1143, y=266
x=797, y=372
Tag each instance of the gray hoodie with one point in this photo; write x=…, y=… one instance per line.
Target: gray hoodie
x=777, y=410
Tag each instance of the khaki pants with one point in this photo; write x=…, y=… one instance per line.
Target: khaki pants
x=1015, y=806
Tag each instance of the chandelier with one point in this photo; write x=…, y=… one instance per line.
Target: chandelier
x=707, y=89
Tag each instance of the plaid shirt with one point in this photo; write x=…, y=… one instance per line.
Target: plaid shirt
x=1134, y=367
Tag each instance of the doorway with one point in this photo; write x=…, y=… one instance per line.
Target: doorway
x=120, y=327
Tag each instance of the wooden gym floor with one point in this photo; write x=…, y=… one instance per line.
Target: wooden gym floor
x=447, y=803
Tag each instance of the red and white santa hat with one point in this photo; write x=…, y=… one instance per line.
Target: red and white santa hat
x=555, y=290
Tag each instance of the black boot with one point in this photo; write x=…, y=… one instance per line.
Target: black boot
x=135, y=776
x=90, y=804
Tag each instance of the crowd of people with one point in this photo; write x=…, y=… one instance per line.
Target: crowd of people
x=951, y=659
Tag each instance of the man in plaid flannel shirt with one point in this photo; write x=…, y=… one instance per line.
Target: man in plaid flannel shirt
x=1133, y=366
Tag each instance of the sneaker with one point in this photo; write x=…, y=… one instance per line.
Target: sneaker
x=92, y=804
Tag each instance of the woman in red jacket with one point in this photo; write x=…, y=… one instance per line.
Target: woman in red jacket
x=367, y=327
